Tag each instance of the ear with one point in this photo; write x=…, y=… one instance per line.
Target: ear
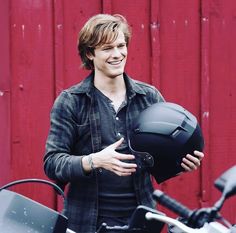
x=90, y=56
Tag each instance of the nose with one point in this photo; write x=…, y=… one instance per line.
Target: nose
x=116, y=52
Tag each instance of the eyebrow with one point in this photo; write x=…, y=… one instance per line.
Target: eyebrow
x=112, y=45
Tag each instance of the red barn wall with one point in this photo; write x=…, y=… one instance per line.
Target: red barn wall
x=185, y=48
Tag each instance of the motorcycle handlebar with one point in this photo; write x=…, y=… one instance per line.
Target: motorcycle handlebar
x=172, y=204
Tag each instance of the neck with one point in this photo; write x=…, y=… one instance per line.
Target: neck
x=109, y=85
x=114, y=88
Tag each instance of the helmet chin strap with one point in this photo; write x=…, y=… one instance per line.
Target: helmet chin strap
x=143, y=159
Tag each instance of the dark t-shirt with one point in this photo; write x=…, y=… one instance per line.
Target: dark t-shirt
x=116, y=193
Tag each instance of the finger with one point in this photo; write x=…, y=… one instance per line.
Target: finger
x=191, y=165
x=124, y=156
x=185, y=167
x=199, y=154
x=116, y=144
x=126, y=165
x=122, y=174
x=193, y=159
x=123, y=171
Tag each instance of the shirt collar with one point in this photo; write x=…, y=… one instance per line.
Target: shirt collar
x=86, y=86
x=132, y=87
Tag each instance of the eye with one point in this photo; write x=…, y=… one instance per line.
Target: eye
x=107, y=48
x=121, y=45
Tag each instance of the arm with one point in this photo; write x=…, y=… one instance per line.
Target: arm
x=59, y=163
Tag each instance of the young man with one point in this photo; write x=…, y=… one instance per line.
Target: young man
x=87, y=146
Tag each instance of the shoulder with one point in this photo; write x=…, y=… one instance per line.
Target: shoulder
x=69, y=98
x=76, y=91
x=145, y=86
x=83, y=87
x=146, y=89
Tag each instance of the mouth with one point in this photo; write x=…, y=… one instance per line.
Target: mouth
x=114, y=63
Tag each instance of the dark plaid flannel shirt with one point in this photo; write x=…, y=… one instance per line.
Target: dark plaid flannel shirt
x=75, y=131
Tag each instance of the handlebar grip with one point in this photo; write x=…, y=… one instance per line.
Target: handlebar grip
x=172, y=204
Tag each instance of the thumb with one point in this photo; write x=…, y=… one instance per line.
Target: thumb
x=116, y=144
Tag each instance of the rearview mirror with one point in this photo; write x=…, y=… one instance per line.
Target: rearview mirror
x=226, y=183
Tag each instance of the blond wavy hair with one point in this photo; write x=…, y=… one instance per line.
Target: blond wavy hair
x=99, y=30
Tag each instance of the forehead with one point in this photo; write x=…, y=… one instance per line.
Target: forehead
x=119, y=39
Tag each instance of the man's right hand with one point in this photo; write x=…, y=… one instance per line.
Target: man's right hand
x=111, y=160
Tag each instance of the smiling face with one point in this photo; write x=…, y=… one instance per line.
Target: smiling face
x=109, y=59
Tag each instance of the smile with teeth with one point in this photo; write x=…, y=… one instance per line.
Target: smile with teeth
x=115, y=62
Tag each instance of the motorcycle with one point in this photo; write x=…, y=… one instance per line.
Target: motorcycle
x=207, y=220
x=21, y=214
x=203, y=220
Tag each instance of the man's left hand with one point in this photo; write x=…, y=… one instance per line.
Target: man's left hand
x=192, y=162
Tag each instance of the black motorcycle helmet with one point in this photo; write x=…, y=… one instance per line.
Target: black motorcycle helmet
x=161, y=136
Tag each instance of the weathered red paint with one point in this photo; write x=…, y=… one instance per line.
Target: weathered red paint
x=222, y=104
x=205, y=101
x=32, y=85
x=185, y=48
x=5, y=120
x=155, y=43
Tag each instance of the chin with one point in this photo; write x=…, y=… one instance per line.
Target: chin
x=117, y=72
x=114, y=75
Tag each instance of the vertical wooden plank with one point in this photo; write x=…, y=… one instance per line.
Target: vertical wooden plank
x=205, y=103
x=59, y=67
x=32, y=92
x=59, y=34
x=5, y=92
x=155, y=43
x=106, y=6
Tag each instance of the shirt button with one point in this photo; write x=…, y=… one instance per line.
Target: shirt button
x=119, y=134
x=117, y=118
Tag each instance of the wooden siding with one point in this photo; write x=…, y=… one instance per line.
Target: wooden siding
x=185, y=48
